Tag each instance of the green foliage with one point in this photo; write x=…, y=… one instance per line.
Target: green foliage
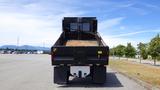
x=111, y=51
x=158, y=58
x=154, y=47
x=143, y=50
x=120, y=50
x=130, y=51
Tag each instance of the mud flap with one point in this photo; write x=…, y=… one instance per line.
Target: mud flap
x=99, y=74
x=61, y=74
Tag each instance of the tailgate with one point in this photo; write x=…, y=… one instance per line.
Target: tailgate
x=80, y=55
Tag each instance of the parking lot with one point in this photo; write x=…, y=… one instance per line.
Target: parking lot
x=34, y=72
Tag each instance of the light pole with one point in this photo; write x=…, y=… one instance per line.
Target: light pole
x=17, y=44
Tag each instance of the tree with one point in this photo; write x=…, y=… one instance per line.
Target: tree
x=130, y=51
x=120, y=50
x=154, y=48
x=112, y=52
x=142, y=51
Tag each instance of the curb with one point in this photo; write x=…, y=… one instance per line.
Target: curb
x=140, y=82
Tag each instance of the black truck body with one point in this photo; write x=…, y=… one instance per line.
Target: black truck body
x=64, y=57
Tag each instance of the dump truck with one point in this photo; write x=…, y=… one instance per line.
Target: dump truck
x=79, y=52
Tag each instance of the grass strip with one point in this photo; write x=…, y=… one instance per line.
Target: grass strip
x=146, y=73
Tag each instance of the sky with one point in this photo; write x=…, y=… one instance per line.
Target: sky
x=38, y=22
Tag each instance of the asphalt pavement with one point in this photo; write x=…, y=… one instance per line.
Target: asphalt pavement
x=34, y=72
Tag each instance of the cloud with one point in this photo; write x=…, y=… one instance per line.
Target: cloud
x=142, y=8
x=34, y=25
x=122, y=27
x=109, y=23
x=38, y=21
x=28, y=28
x=134, y=33
x=112, y=42
x=149, y=5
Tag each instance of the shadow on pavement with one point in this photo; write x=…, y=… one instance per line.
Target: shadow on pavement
x=112, y=81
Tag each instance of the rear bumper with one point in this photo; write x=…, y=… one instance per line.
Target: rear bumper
x=80, y=63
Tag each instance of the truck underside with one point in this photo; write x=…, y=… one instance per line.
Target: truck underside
x=62, y=74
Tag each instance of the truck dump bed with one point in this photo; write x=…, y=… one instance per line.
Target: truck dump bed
x=69, y=51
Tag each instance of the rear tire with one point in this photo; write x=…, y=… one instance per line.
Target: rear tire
x=98, y=74
x=61, y=74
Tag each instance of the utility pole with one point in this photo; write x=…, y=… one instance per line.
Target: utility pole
x=17, y=44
